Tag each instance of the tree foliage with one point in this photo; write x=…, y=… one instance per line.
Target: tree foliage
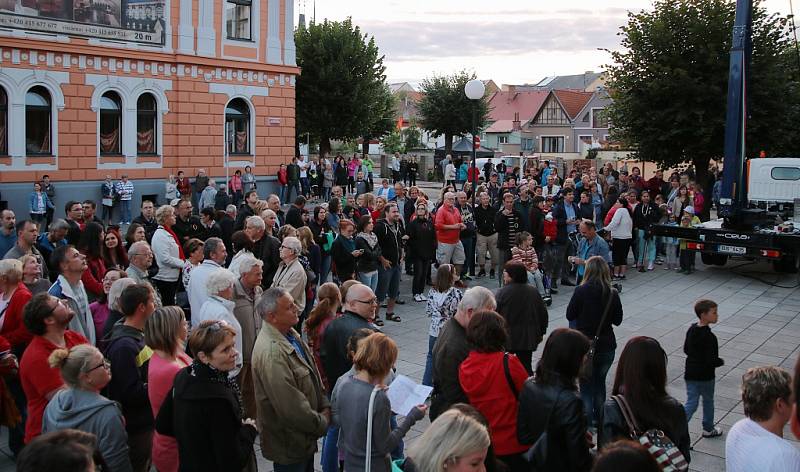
x=381, y=117
x=341, y=90
x=412, y=138
x=669, y=83
x=445, y=110
x=393, y=142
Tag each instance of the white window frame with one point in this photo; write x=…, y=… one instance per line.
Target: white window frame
x=563, y=143
x=502, y=139
x=255, y=33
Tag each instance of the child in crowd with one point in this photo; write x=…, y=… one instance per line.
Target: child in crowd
x=687, y=255
x=550, y=231
x=702, y=358
x=361, y=184
x=525, y=254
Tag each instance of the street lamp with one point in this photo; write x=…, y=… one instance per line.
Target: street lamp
x=474, y=90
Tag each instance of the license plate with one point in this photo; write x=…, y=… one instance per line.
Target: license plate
x=732, y=249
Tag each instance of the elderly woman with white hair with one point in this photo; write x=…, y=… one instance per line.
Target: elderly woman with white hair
x=219, y=307
x=291, y=275
x=168, y=253
x=14, y=295
x=114, y=294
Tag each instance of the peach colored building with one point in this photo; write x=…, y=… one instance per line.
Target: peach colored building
x=143, y=88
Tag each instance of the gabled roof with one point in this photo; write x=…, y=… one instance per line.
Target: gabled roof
x=504, y=105
x=574, y=82
x=572, y=101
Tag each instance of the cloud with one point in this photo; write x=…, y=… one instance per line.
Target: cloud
x=421, y=40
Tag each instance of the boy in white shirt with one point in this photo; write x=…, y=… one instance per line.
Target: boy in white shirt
x=756, y=443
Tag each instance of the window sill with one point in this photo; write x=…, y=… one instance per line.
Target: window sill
x=240, y=154
x=240, y=40
x=148, y=154
x=111, y=154
x=39, y=155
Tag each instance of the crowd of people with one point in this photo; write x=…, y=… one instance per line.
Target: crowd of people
x=205, y=327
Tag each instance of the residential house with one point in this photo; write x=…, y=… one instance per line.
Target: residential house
x=508, y=110
x=569, y=121
x=589, y=81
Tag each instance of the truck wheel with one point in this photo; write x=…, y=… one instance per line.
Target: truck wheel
x=785, y=265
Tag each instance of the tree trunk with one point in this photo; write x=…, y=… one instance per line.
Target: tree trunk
x=365, y=146
x=324, y=145
x=448, y=143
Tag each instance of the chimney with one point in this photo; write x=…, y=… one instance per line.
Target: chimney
x=516, y=123
x=511, y=88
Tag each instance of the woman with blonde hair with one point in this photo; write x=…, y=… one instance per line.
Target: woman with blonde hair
x=32, y=274
x=329, y=299
x=80, y=406
x=165, y=332
x=374, y=359
x=453, y=442
x=14, y=295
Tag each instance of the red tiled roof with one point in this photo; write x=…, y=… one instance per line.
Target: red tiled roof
x=573, y=101
x=501, y=126
x=503, y=105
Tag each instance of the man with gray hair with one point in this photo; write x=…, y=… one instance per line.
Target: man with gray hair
x=451, y=349
x=208, y=195
x=756, y=442
x=215, y=253
x=219, y=306
x=293, y=410
x=290, y=274
x=246, y=295
x=140, y=258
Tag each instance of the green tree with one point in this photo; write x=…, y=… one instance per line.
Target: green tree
x=412, y=137
x=342, y=76
x=669, y=83
x=393, y=142
x=445, y=110
x=381, y=117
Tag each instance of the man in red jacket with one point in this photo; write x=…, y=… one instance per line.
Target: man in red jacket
x=448, y=227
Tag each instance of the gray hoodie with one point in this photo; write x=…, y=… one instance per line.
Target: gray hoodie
x=93, y=413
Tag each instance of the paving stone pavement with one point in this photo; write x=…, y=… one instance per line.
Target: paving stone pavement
x=758, y=324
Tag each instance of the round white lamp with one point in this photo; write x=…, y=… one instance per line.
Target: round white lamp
x=474, y=89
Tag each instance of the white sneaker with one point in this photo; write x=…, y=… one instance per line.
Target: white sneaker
x=417, y=298
x=650, y=266
x=423, y=298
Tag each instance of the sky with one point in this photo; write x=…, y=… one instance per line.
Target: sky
x=508, y=41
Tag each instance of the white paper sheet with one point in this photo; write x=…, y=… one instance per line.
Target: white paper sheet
x=404, y=394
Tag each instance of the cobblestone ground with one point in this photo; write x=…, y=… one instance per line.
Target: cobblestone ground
x=759, y=324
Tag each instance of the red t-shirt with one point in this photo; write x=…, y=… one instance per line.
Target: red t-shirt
x=447, y=217
x=38, y=378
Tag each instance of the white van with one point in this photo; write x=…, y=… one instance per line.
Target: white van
x=773, y=180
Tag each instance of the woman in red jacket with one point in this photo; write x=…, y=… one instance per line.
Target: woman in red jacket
x=492, y=380
x=90, y=245
x=14, y=295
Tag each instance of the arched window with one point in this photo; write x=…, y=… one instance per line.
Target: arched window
x=3, y=123
x=146, y=124
x=237, y=127
x=110, y=123
x=37, y=121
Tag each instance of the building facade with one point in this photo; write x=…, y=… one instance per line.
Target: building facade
x=90, y=88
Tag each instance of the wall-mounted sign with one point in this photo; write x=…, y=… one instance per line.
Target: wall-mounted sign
x=273, y=121
x=140, y=21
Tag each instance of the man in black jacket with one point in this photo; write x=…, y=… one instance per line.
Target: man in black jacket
x=294, y=216
x=451, y=349
x=566, y=216
x=248, y=208
x=487, y=236
x=147, y=219
x=187, y=226
x=507, y=223
x=129, y=357
x=293, y=178
x=391, y=234
x=74, y=213
x=645, y=214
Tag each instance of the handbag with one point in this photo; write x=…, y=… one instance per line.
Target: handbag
x=509, y=379
x=588, y=363
x=368, y=448
x=657, y=443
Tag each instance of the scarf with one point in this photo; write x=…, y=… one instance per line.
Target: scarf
x=370, y=238
x=348, y=243
x=177, y=241
x=206, y=371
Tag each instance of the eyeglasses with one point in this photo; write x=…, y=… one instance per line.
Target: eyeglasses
x=61, y=302
x=106, y=364
x=371, y=301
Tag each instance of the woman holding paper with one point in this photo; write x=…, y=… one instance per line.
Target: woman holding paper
x=374, y=358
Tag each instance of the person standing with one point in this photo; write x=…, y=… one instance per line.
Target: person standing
x=524, y=311
x=68, y=287
x=125, y=349
x=756, y=442
x=246, y=294
x=165, y=332
x=467, y=235
x=486, y=235
x=168, y=254
x=27, y=235
x=248, y=180
x=47, y=318
x=147, y=219
x=448, y=223
x=236, y=187
x=293, y=408
x=39, y=204
x=391, y=236
x=184, y=187
x=702, y=358
x=8, y=231
x=413, y=171
x=219, y=306
x=199, y=184
x=507, y=223
x=108, y=193
x=422, y=244
x=442, y=305
x=170, y=189
x=50, y=190
x=283, y=182
x=204, y=411
x=125, y=191
x=214, y=256
x=293, y=179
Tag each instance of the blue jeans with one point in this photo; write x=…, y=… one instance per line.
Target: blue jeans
x=593, y=392
x=649, y=245
x=427, y=377
x=324, y=269
x=305, y=466
x=469, y=254
x=694, y=390
x=282, y=192
x=370, y=279
x=330, y=450
x=125, y=215
x=388, y=282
